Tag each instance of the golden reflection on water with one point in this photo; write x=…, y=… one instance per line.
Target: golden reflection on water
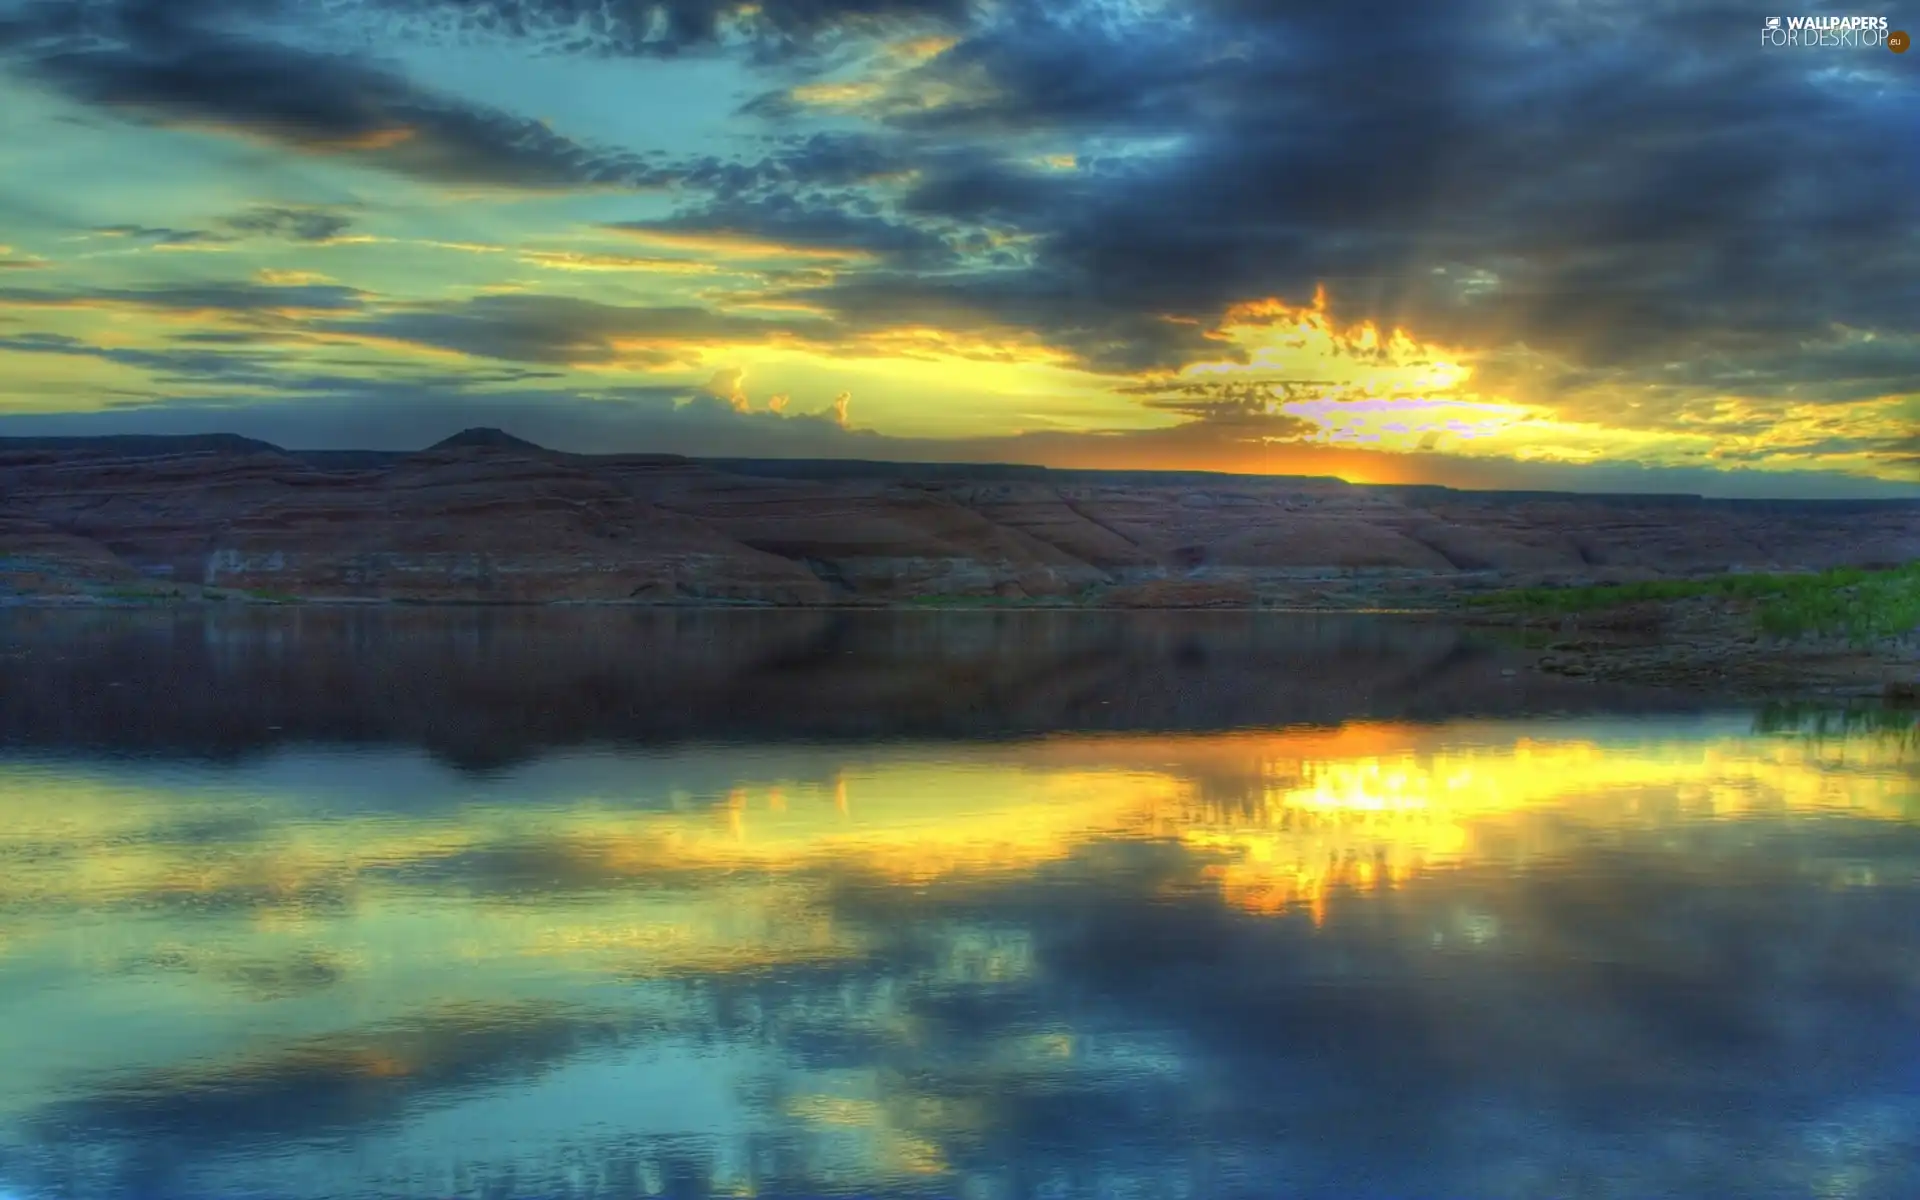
x=708, y=881
x=178, y=923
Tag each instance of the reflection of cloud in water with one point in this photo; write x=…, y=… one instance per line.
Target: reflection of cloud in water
x=1485, y=956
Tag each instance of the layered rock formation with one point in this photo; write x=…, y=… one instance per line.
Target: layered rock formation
x=484, y=517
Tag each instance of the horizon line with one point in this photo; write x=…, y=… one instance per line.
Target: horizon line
x=491, y=437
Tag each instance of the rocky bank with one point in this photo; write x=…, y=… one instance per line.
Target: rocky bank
x=1710, y=644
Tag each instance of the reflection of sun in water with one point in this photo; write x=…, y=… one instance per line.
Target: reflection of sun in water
x=1319, y=826
x=1278, y=819
x=114, y=891
x=501, y=900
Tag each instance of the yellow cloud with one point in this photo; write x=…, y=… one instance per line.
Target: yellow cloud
x=837, y=95
x=727, y=244
x=278, y=278
x=1388, y=390
x=463, y=247
x=919, y=50
x=373, y=139
x=898, y=80
x=566, y=260
x=174, y=312
x=936, y=344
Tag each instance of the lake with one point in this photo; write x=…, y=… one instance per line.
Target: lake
x=341, y=903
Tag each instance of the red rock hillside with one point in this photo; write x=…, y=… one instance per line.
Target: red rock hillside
x=485, y=517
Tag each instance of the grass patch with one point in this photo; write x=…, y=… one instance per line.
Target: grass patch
x=1856, y=603
x=1826, y=722
x=1891, y=728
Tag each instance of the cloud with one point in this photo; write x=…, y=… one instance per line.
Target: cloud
x=1482, y=175
x=1100, y=331
x=1626, y=208
x=212, y=296
x=569, y=260
x=1253, y=409
x=293, y=224
x=1632, y=220
x=173, y=65
x=157, y=235
x=807, y=160
x=788, y=226
x=332, y=413
x=167, y=365
x=290, y=224
x=729, y=384
x=657, y=28
x=537, y=328
x=9, y=261
x=309, y=411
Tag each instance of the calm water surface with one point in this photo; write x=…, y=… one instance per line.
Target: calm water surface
x=333, y=904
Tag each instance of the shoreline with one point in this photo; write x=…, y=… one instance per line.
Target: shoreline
x=49, y=602
x=1684, y=645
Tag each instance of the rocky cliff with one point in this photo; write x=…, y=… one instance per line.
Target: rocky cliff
x=484, y=517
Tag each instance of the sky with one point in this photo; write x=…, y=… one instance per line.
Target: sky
x=1581, y=244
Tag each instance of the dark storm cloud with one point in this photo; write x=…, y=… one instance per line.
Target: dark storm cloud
x=1076, y=66
x=1839, y=369
x=979, y=187
x=174, y=64
x=1617, y=185
x=1641, y=191
x=1638, y=180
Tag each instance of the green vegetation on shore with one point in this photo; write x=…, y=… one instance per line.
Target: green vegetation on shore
x=1824, y=722
x=1858, y=604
